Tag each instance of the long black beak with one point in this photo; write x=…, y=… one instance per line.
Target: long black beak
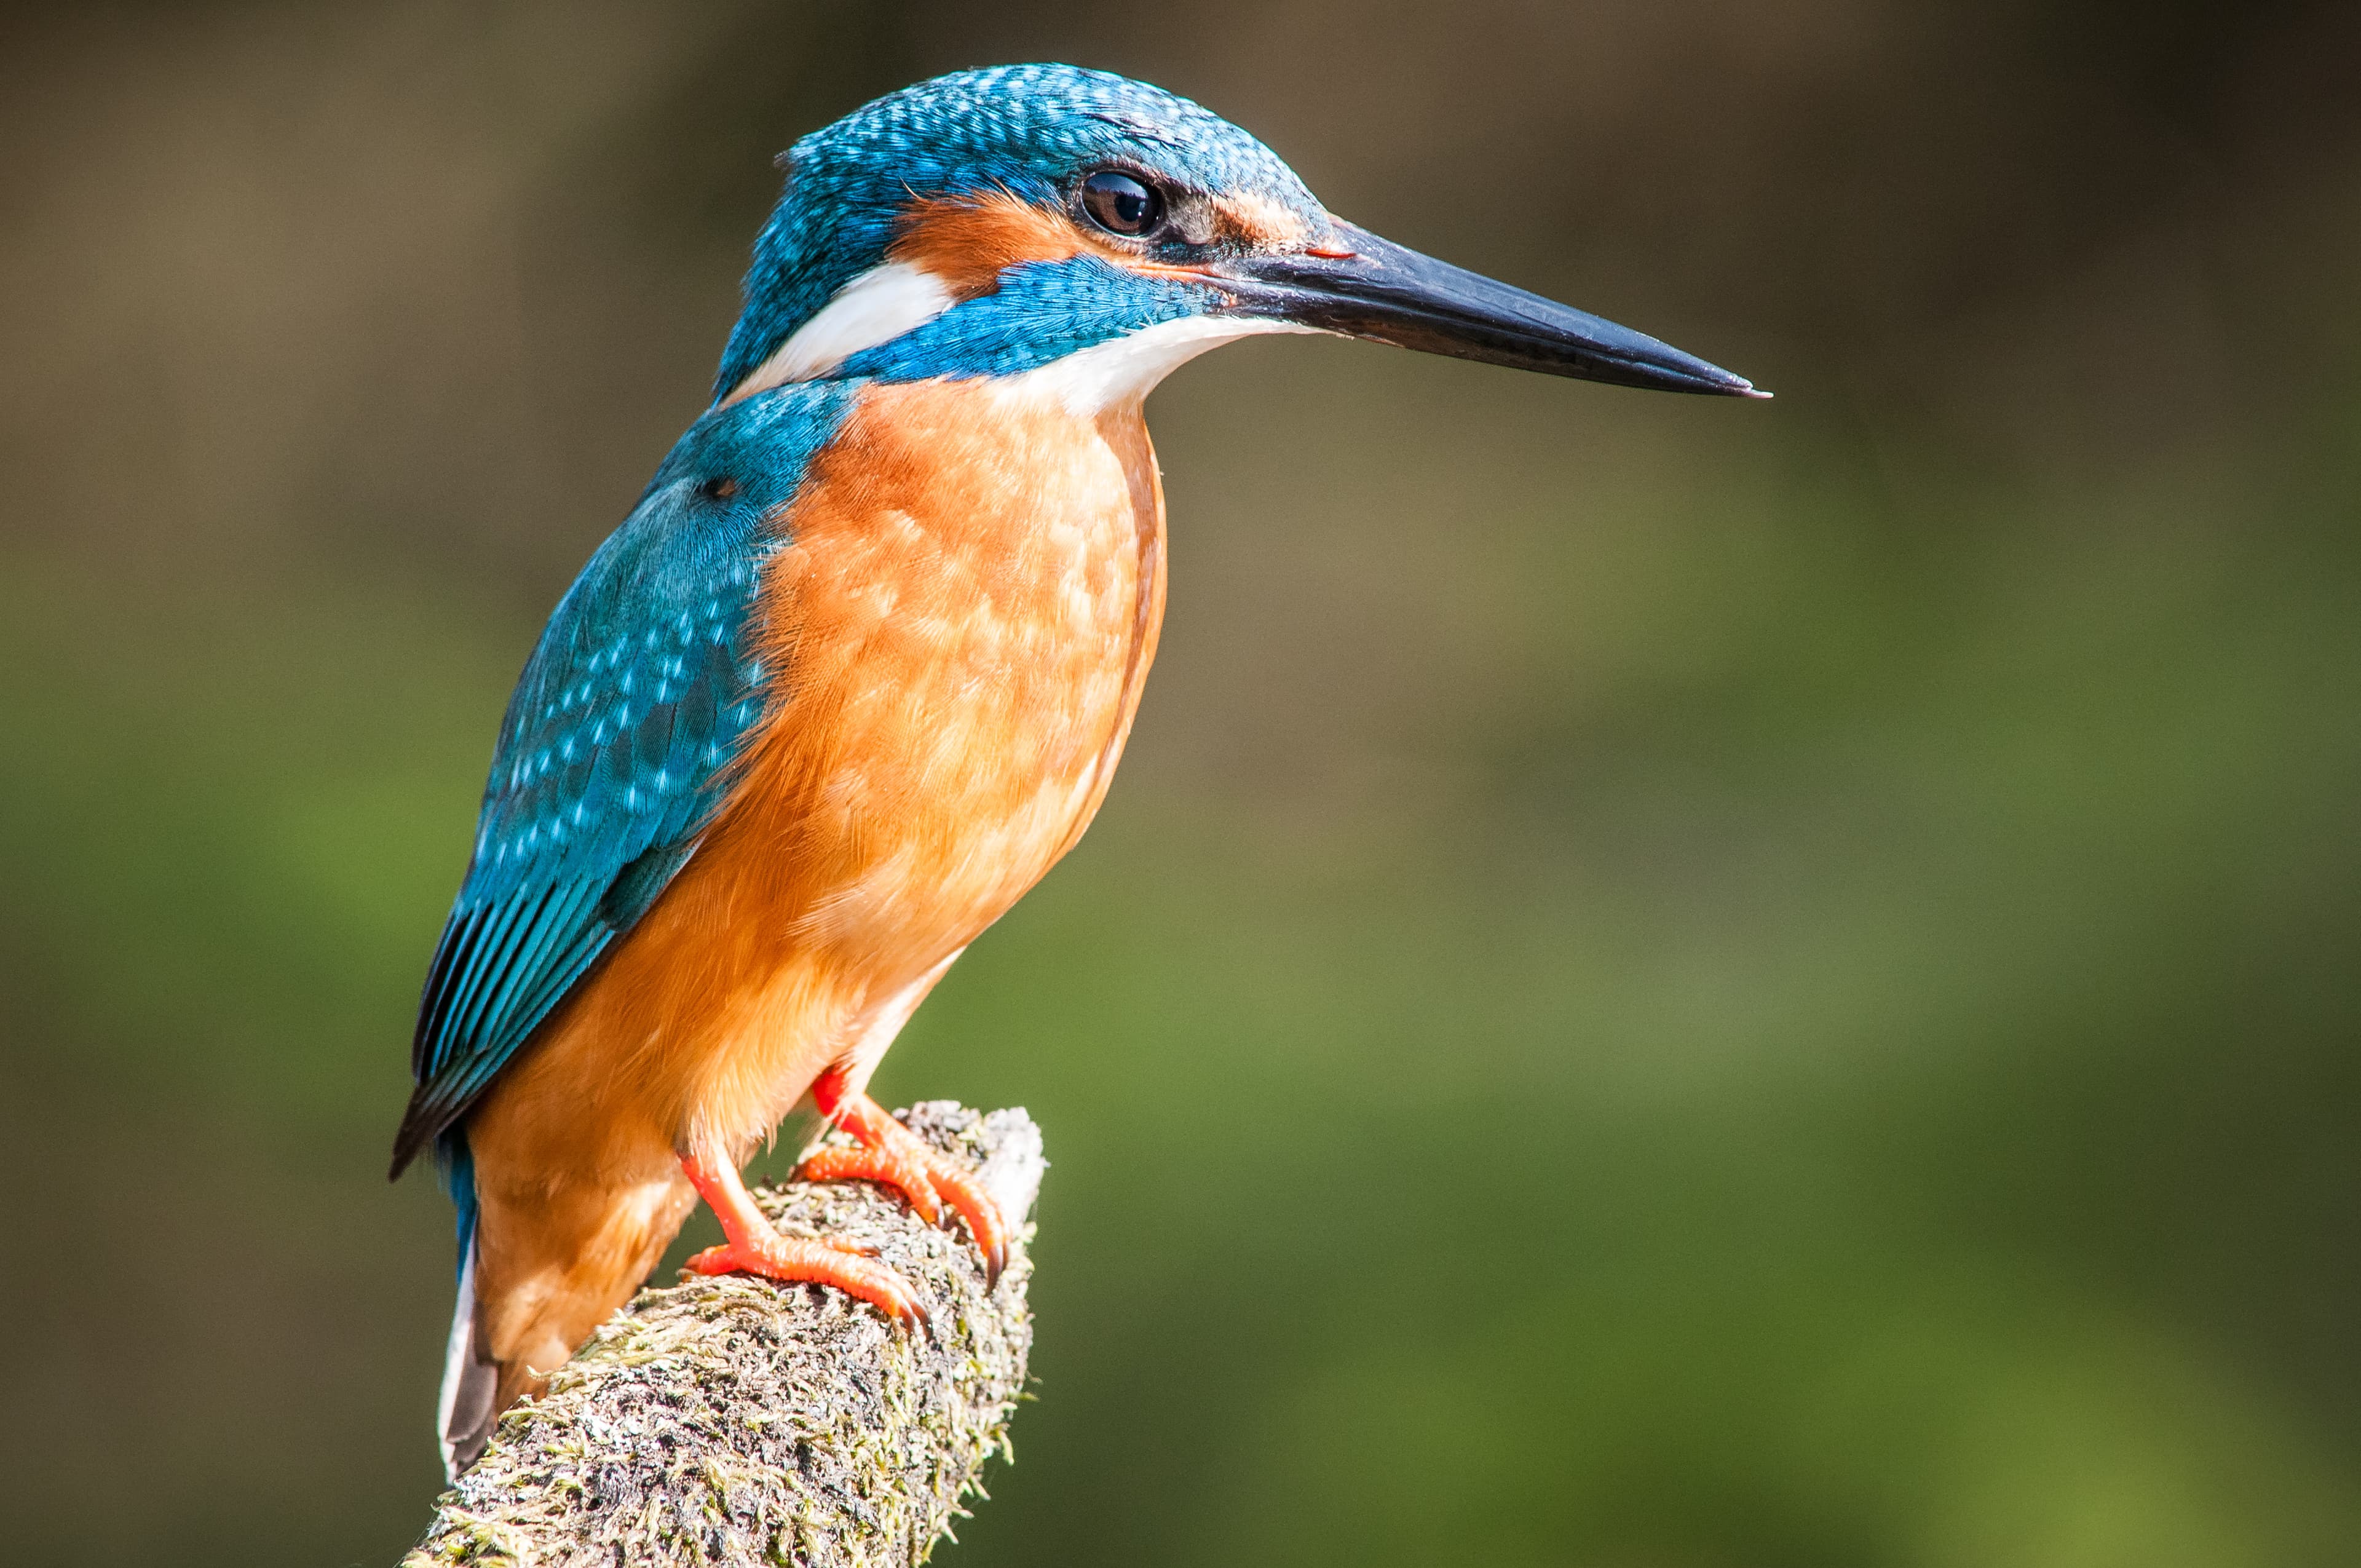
x=1389, y=293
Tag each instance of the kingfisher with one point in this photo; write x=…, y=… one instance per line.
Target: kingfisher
x=855, y=672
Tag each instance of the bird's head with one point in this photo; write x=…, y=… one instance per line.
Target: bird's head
x=1048, y=218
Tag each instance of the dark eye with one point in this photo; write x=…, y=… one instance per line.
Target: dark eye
x=1121, y=204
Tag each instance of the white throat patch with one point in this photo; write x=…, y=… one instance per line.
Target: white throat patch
x=1125, y=369
x=876, y=307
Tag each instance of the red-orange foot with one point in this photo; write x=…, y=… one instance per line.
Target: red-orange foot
x=793, y=1260
x=891, y=1154
x=754, y=1247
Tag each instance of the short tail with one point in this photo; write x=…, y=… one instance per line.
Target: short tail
x=470, y=1381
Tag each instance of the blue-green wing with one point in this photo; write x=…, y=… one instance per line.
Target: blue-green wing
x=615, y=748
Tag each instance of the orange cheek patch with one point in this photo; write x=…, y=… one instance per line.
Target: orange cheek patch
x=968, y=242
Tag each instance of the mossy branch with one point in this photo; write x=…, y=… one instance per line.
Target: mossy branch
x=732, y=1421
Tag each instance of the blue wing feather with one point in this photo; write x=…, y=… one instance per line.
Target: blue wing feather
x=615, y=748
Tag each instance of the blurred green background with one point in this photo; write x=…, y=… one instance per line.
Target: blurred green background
x=1668, y=983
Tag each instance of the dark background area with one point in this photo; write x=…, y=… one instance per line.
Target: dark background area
x=1667, y=984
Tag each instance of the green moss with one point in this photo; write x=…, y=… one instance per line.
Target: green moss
x=733, y=1420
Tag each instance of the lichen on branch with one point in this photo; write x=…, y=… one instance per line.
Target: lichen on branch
x=733, y=1420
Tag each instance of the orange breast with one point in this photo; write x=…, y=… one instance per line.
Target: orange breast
x=957, y=636
x=961, y=629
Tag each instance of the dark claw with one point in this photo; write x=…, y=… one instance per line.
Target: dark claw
x=995, y=1258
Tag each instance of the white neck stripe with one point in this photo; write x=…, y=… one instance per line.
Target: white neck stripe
x=877, y=307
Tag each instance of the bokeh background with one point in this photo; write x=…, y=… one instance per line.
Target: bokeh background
x=1668, y=983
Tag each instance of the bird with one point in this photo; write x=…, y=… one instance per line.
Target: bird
x=855, y=672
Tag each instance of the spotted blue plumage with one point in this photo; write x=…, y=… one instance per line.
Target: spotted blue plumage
x=614, y=751
x=1025, y=129
x=615, y=748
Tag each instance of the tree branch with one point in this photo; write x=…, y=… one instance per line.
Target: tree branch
x=732, y=1421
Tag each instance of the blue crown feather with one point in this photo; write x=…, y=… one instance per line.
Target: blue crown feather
x=1025, y=129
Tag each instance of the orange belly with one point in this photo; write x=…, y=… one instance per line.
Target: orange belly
x=955, y=640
